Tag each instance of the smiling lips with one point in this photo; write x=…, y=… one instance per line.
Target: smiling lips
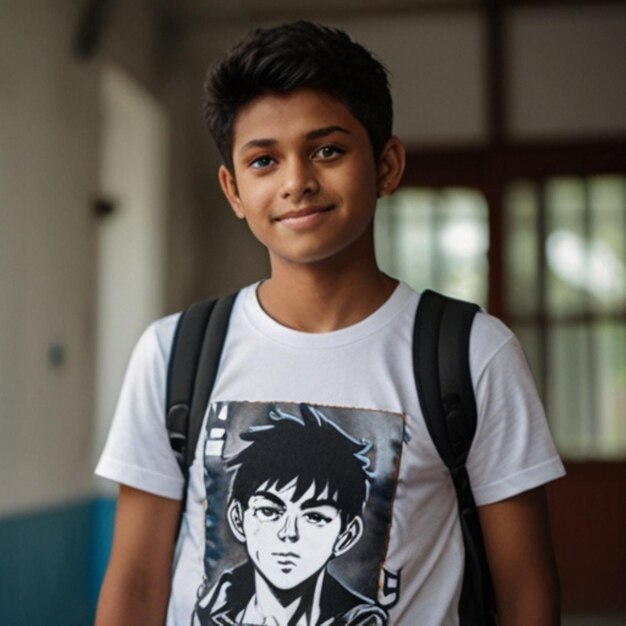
x=301, y=218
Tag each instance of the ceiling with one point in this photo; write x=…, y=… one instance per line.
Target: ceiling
x=243, y=10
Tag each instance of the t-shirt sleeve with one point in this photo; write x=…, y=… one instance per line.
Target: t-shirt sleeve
x=137, y=452
x=513, y=450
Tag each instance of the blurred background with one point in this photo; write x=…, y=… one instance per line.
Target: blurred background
x=514, y=115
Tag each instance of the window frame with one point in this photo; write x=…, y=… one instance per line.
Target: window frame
x=490, y=170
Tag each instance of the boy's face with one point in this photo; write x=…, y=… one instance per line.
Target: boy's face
x=305, y=178
x=290, y=540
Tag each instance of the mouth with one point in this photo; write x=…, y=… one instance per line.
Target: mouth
x=303, y=214
x=286, y=559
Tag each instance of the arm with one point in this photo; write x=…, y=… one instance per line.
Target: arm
x=137, y=583
x=517, y=538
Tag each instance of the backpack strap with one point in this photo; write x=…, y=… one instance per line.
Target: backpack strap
x=196, y=351
x=442, y=376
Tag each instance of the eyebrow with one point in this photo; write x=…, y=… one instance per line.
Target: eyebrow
x=314, y=502
x=327, y=130
x=318, y=133
x=268, y=495
x=311, y=503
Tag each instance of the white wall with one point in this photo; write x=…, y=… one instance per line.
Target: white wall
x=49, y=151
x=48, y=130
x=131, y=239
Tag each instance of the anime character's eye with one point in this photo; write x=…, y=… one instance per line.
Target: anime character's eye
x=328, y=151
x=261, y=162
x=316, y=518
x=267, y=513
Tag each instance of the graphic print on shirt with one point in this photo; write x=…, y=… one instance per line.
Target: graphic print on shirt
x=298, y=514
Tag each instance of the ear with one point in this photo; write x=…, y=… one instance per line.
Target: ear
x=229, y=187
x=390, y=167
x=235, y=520
x=349, y=537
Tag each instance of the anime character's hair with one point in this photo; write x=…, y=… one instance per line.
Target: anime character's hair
x=294, y=56
x=310, y=449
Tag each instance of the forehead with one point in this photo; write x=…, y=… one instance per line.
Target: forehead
x=282, y=117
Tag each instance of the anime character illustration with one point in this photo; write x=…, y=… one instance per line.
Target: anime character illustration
x=296, y=501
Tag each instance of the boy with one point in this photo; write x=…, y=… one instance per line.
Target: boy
x=302, y=118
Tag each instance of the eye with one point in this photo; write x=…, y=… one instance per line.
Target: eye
x=328, y=152
x=261, y=162
x=267, y=513
x=316, y=518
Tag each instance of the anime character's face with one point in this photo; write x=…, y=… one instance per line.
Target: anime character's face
x=290, y=540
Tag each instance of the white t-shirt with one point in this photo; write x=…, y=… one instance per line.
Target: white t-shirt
x=315, y=468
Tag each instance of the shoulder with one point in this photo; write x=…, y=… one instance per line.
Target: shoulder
x=148, y=363
x=489, y=337
x=154, y=345
x=159, y=335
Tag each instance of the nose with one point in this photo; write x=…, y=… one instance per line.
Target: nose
x=289, y=530
x=299, y=180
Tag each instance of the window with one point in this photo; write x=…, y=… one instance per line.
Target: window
x=565, y=296
x=546, y=251
x=435, y=238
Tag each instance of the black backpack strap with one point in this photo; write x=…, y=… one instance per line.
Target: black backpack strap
x=195, y=356
x=442, y=376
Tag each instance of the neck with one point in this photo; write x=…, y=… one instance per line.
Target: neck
x=314, y=299
x=300, y=604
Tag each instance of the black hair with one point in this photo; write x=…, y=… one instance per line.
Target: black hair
x=294, y=56
x=310, y=449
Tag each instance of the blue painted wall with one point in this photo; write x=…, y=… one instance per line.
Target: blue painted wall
x=52, y=562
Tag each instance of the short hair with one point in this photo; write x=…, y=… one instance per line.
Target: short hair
x=293, y=56
x=310, y=449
